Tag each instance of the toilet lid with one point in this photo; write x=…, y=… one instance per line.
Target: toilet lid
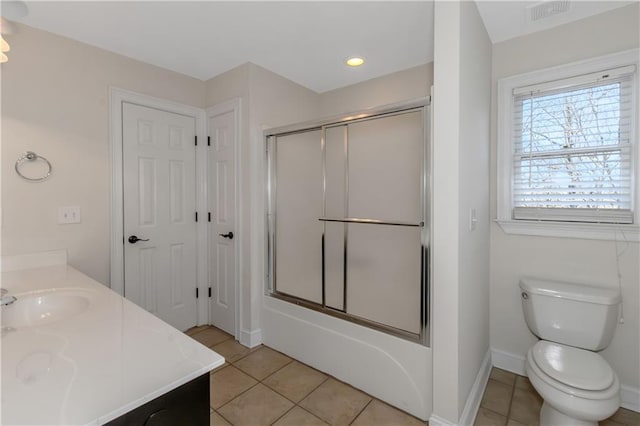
x=575, y=367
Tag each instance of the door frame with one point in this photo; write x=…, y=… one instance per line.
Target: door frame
x=233, y=105
x=117, y=97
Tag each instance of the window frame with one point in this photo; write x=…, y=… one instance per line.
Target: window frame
x=505, y=143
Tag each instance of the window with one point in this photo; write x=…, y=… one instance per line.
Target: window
x=567, y=152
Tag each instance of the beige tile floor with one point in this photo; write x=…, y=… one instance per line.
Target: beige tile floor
x=261, y=386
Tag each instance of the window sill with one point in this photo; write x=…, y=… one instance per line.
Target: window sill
x=589, y=231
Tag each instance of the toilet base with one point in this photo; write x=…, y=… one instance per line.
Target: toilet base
x=549, y=416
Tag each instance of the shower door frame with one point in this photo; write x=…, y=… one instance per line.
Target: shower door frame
x=270, y=137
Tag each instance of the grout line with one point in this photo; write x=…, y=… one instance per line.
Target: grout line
x=314, y=389
x=220, y=414
x=360, y=412
x=513, y=394
x=238, y=396
x=249, y=352
x=269, y=375
x=314, y=415
x=283, y=414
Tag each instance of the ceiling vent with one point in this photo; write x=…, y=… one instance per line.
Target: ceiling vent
x=546, y=9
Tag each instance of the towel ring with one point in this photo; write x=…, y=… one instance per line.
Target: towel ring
x=32, y=156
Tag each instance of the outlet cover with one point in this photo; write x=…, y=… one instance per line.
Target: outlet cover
x=69, y=214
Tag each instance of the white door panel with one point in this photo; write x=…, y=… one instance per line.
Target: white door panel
x=222, y=207
x=159, y=206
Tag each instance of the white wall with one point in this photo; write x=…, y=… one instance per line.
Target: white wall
x=462, y=94
x=589, y=261
x=55, y=101
x=475, y=119
x=445, y=178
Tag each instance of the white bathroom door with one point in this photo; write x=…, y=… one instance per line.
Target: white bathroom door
x=222, y=226
x=159, y=171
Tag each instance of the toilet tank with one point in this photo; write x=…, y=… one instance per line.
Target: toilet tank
x=577, y=315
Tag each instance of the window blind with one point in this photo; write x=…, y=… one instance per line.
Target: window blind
x=573, y=149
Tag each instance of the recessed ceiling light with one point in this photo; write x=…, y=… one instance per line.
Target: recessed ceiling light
x=355, y=62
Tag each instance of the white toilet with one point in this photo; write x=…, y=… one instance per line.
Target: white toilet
x=578, y=386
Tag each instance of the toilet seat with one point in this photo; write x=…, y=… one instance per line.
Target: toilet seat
x=608, y=392
x=574, y=367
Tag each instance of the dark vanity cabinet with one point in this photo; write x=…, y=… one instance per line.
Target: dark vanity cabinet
x=186, y=405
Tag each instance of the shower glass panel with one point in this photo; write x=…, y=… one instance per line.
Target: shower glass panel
x=348, y=219
x=383, y=275
x=385, y=168
x=298, y=232
x=384, y=183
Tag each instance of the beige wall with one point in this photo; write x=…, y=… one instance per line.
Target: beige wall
x=403, y=85
x=462, y=94
x=591, y=261
x=55, y=101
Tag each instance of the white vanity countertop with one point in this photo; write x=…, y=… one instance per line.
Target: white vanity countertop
x=102, y=357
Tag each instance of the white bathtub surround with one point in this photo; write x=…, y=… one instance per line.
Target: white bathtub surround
x=394, y=370
x=91, y=357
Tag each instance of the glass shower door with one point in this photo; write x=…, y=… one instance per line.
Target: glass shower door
x=383, y=173
x=346, y=218
x=298, y=200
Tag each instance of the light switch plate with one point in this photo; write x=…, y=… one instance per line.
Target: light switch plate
x=69, y=214
x=473, y=219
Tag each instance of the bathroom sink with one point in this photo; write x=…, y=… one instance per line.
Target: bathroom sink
x=45, y=307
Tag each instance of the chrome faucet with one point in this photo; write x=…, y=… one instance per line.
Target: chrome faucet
x=6, y=299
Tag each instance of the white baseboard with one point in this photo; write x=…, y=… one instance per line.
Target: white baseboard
x=508, y=361
x=251, y=339
x=477, y=390
x=439, y=421
x=472, y=405
x=629, y=396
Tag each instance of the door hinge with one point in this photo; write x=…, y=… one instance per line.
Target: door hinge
x=208, y=140
x=196, y=140
x=209, y=216
x=197, y=293
x=196, y=216
x=209, y=291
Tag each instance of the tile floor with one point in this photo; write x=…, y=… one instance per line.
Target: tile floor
x=261, y=386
